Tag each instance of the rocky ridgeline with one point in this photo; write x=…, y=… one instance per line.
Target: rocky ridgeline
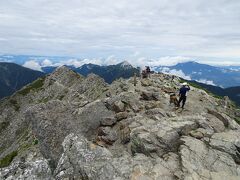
x=65, y=126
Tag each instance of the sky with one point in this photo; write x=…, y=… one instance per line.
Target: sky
x=139, y=31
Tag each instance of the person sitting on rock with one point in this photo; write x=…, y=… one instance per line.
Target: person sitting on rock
x=183, y=94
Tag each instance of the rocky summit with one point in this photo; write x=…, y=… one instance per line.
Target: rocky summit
x=66, y=126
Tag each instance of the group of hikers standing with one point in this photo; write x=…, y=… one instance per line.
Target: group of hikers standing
x=182, y=91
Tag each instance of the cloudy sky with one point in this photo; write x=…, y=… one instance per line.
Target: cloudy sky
x=135, y=30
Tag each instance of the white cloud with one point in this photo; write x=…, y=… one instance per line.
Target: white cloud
x=206, y=82
x=135, y=29
x=175, y=72
x=32, y=65
x=111, y=60
x=46, y=62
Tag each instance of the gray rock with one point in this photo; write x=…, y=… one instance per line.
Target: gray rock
x=108, y=121
x=150, y=96
x=84, y=160
x=227, y=121
x=199, y=161
x=33, y=169
x=121, y=115
x=53, y=117
x=228, y=142
x=197, y=134
x=107, y=135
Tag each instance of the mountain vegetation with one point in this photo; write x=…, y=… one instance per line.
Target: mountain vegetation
x=233, y=92
x=13, y=77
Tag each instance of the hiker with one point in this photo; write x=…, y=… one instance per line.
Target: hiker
x=148, y=71
x=183, y=94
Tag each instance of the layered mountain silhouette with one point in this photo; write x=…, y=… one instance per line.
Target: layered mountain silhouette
x=13, y=77
x=219, y=76
x=108, y=73
x=68, y=126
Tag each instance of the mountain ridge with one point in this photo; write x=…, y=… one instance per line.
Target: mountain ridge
x=108, y=72
x=75, y=126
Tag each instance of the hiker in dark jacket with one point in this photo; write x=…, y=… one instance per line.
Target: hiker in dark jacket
x=183, y=94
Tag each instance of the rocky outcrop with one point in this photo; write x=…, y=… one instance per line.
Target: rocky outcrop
x=72, y=127
x=200, y=161
x=29, y=168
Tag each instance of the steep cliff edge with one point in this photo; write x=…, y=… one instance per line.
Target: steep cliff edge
x=65, y=126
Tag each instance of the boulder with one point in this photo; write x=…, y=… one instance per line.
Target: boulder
x=199, y=160
x=197, y=134
x=107, y=135
x=108, y=121
x=83, y=160
x=228, y=142
x=121, y=115
x=149, y=96
x=53, y=121
x=33, y=168
x=227, y=121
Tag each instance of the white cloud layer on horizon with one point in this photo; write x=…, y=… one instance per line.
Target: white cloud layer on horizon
x=205, y=81
x=36, y=64
x=126, y=29
x=175, y=72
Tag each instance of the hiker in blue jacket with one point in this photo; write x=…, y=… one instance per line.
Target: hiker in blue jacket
x=183, y=94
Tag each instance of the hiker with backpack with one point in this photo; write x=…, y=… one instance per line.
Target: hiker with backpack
x=183, y=94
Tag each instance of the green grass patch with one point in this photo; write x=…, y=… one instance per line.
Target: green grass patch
x=15, y=104
x=3, y=125
x=200, y=87
x=237, y=119
x=61, y=97
x=4, y=162
x=35, y=142
x=44, y=100
x=35, y=86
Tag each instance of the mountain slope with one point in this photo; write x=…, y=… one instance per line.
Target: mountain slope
x=67, y=126
x=233, y=92
x=13, y=77
x=219, y=76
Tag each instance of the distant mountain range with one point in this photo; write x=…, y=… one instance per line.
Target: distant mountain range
x=219, y=76
x=13, y=77
x=108, y=73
